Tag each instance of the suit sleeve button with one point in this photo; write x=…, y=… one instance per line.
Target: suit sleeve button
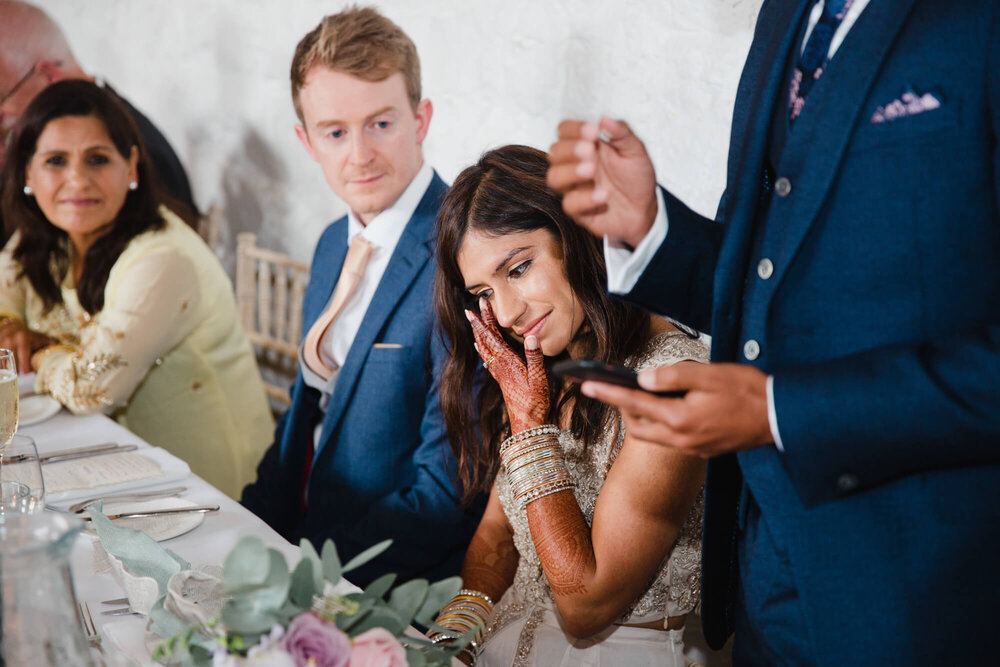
x=751, y=349
x=765, y=268
x=782, y=187
x=847, y=482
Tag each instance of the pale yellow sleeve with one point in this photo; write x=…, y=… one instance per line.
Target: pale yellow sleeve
x=152, y=306
x=12, y=289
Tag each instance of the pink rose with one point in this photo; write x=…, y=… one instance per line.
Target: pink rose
x=377, y=648
x=310, y=637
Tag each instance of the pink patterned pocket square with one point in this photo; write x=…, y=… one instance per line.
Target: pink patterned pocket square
x=909, y=104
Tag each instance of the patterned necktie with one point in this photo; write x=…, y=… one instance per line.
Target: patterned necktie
x=354, y=268
x=813, y=58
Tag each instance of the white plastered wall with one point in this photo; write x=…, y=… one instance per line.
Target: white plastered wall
x=213, y=75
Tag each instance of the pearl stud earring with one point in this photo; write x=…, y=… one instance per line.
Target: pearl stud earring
x=28, y=191
x=133, y=185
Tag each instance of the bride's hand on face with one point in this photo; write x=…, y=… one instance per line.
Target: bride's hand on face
x=525, y=386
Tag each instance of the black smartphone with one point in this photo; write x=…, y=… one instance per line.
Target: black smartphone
x=590, y=369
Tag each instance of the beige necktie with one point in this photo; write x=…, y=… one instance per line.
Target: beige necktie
x=354, y=268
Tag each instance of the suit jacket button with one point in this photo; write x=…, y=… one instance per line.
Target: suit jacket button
x=765, y=268
x=782, y=187
x=751, y=349
x=847, y=482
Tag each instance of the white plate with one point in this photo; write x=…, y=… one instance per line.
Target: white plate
x=36, y=408
x=160, y=528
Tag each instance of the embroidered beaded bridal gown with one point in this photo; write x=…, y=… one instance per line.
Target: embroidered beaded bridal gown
x=524, y=628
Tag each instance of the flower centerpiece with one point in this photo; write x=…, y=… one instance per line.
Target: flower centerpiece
x=256, y=611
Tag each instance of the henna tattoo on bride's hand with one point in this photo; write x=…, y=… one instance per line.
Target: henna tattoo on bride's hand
x=525, y=386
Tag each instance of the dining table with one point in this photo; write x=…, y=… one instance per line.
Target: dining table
x=208, y=543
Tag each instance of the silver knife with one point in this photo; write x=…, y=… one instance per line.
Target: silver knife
x=138, y=495
x=173, y=510
x=84, y=452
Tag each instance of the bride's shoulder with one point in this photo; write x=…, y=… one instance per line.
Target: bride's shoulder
x=667, y=345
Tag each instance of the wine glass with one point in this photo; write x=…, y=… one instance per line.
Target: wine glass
x=22, y=489
x=8, y=396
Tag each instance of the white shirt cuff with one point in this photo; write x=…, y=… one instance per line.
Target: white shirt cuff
x=772, y=415
x=625, y=266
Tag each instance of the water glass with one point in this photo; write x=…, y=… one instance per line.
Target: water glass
x=22, y=489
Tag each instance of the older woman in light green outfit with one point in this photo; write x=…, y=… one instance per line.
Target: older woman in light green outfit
x=117, y=303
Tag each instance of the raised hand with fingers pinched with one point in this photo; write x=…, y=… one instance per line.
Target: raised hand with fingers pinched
x=524, y=384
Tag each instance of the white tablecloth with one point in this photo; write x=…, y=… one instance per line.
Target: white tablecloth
x=209, y=543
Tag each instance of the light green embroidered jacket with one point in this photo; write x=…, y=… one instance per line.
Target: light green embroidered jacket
x=166, y=356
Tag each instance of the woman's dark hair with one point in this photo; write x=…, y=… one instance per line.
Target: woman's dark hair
x=43, y=251
x=505, y=193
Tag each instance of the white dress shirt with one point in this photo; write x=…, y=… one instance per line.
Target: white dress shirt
x=383, y=231
x=625, y=266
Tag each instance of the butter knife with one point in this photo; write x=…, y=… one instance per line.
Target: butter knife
x=203, y=509
x=89, y=450
x=84, y=452
x=138, y=495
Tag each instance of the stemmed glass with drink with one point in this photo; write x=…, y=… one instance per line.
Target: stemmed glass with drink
x=22, y=489
x=8, y=397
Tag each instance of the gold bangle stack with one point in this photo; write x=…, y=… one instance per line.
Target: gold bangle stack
x=467, y=611
x=535, y=464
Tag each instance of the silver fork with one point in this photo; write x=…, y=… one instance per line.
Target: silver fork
x=87, y=623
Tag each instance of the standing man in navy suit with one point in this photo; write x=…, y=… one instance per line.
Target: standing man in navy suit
x=361, y=454
x=851, y=285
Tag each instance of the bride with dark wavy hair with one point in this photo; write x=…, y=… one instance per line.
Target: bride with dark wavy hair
x=588, y=533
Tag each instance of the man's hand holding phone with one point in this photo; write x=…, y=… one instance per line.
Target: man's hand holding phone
x=723, y=407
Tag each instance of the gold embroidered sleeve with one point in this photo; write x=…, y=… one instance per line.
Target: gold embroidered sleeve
x=154, y=306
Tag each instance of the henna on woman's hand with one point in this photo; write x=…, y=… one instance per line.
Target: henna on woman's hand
x=525, y=386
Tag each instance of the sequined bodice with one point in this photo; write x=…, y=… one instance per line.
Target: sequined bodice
x=675, y=590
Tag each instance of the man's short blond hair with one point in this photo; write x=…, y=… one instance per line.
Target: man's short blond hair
x=361, y=42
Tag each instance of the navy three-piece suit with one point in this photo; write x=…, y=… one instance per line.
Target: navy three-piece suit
x=856, y=258
x=382, y=467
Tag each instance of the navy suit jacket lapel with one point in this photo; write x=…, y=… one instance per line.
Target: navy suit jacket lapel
x=413, y=251
x=815, y=148
x=761, y=87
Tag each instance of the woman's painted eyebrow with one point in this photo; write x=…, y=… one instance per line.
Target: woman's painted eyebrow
x=59, y=151
x=504, y=262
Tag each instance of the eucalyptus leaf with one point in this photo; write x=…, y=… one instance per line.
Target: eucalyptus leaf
x=309, y=553
x=380, y=617
x=346, y=621
x=415, y=658
x=163, y=623
x=332, y=570
x=246, y=565
x=408, y=598
x=439, y=594
x=304, y=584
x=380, y=586
x=367, y=555
x=271, y=594
x=248, y=621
